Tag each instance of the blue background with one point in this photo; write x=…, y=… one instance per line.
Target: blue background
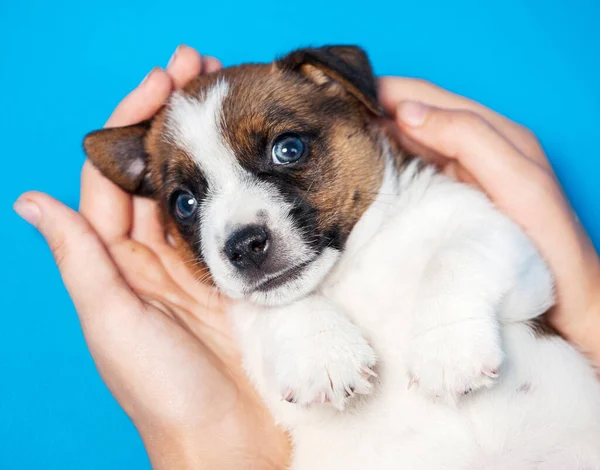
x=65, y=64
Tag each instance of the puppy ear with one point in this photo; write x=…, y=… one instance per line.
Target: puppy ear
x=120, y=155
x=345, y=66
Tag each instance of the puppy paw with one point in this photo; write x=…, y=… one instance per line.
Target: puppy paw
x=330, y=368
x=451, y=361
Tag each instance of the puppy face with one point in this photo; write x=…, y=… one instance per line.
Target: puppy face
x=261, y=171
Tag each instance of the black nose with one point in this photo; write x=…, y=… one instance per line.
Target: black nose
x=248, y=247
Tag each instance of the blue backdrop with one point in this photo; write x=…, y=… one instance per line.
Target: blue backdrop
x=65, y=64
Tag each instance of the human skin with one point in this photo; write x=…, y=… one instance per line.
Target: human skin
x=160, y=339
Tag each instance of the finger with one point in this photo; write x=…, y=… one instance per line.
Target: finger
x=143, y=102
x=185, y=64
x=523, y=190
x=457, y=172
x=394, y=90
x=211, y=65
x=108, y=208
x=471, y=141
x=87, y=270
x=149, y=232
x=448, y=166
x=147, y=228
x=412, y=147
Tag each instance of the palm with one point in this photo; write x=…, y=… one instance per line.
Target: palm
x=184, y=353
x=159, y=337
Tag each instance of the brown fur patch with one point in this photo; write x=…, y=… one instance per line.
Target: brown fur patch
x=541, y=327
x=329, y=100
x=347, y=66
x=127, y=171
x=345, y=157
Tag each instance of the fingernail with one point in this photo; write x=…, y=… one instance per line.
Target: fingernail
x=149, y=75
x=412, y=113
x=28, y=210
x=174, y=55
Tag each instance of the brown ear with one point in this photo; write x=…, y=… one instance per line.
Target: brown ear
x=120, y=155
x=348, y=66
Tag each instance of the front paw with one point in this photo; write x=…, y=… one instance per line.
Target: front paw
x=331, y=368
x=451, y=361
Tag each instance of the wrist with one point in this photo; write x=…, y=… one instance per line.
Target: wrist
x=583, y=330
x=578, y=320
x=592, y=340
x=170, y=450
x=195, y=449
x=592, y=323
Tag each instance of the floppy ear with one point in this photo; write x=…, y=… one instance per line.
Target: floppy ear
x=120, y=155
x=345, y=66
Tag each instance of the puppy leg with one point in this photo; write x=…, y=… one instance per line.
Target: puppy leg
x=307, y=352
x=485, y=271
x=455, y=345
x=533, y=293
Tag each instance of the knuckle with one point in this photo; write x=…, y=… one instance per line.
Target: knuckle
x=528, y=136
x=458, y=125
x=533, y=145
x=468, y=121
x=421, y=82
x=459, y=121
x=426, y=87
x=62, y=245
x=528, y=142
x=60, y=250
x=541, y=187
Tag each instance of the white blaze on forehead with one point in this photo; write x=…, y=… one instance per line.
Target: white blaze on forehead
x=194, y=125
x=235, y=196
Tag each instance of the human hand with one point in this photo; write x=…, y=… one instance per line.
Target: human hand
x=478, y=146
x=160, y=339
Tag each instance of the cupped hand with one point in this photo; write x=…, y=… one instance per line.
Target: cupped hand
x=160, y=339
x=478, y=146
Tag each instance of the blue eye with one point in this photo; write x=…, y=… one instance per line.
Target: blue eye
x=287, y=148
x=185, y=206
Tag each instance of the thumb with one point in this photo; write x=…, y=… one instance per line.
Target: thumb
x=469, y=140
x=89, y=274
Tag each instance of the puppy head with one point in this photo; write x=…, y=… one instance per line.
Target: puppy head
x=260, y=170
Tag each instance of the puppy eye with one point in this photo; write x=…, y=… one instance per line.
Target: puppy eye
x=288, y=148
x=185, y=206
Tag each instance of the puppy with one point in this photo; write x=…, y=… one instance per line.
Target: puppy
x=386, y=314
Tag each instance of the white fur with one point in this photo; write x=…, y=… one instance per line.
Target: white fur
x=237, y=198
x=440, y=284
x=194, y=125
x=435, y=284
